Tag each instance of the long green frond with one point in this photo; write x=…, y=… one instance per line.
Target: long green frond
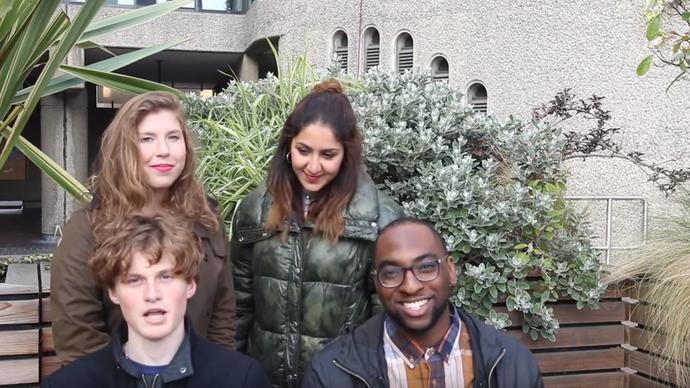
x=87, y=13
x=120, y=82
x=66, y=81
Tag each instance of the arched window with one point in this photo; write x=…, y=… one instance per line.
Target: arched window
x=477, y=97
x=439, y=69
x=372, y=48
x=404, y=52
x=340, y=47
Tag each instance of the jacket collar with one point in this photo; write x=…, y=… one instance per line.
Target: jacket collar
x=361, y=214
x=363, y=352
x=180, y=367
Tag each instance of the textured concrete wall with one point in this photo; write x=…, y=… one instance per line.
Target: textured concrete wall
x=205, y=31
x=523, y=51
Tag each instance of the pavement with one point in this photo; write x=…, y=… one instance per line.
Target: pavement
x=20, y=234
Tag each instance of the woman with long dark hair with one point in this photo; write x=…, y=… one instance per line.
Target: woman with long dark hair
x=302, y=244
x=146, y=165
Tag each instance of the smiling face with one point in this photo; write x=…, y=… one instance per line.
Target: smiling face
x=316, y=156
x=418, y=308
x=162, y=150
x=152, y=298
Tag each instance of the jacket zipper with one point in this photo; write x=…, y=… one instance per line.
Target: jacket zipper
x=493, y=367
x=348, y=371
x=300, y=252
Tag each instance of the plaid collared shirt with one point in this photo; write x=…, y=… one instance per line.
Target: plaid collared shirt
x=446, y=365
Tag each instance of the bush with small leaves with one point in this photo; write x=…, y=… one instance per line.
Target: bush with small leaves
x=492, y=188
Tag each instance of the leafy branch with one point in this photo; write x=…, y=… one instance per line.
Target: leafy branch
x=598, y=139
x=668, y=33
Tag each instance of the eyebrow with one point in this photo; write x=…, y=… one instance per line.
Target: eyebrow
x=324, y=150
x=172, y=131
x=388, y=261
x=167, y=270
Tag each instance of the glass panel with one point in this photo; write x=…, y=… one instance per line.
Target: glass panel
x=213, y=5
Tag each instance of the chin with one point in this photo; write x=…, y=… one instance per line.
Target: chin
x=413, y=326
x=312, y=187
x=156, y=335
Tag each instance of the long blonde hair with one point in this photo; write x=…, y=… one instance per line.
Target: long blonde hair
x=119, y=185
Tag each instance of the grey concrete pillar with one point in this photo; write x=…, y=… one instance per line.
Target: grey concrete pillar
x=64, y=134
x=249, y=69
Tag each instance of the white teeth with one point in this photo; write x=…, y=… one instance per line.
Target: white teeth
x=416, y=305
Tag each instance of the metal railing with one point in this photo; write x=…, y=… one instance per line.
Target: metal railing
x=608, y=245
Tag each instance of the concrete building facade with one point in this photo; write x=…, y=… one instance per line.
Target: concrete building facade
x=521, y=52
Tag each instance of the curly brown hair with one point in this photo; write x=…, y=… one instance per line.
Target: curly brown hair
x=119, y=184
x=150, y=236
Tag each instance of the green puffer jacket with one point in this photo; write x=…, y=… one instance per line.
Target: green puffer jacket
x=294, y=297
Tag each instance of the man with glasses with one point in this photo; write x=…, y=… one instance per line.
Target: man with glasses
x=421, y=340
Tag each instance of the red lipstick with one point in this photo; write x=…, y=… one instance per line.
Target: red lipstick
x=162, y=167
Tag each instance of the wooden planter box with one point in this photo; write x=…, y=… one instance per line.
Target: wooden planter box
x=26, y=338
x=603, y=348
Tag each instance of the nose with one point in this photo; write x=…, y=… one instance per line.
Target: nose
x=152, y=293
x=314, y=164
x=410, y=284
x=162, y=148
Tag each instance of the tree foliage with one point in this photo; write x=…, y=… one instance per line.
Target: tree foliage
x=668, y=33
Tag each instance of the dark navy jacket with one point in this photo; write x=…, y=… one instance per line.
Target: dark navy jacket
x=198, y=363
x=357, y=360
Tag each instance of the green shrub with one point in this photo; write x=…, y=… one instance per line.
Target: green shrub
x=238, y=131
x=494, y=189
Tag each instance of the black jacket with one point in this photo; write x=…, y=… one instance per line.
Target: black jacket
x=357, y=359
x=198, y=363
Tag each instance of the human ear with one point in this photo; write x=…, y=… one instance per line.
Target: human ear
x=452, y=271
x=113, y=297
x=191, y=288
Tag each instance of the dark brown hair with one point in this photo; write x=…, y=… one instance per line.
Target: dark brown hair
x=150, y=236
x=119, y=183
x=329, y=106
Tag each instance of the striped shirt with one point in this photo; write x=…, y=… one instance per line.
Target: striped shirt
x=445, y=365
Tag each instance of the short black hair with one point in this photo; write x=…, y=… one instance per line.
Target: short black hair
x=415, y=221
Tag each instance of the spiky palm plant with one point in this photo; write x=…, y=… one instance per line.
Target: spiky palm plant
x=36, y=36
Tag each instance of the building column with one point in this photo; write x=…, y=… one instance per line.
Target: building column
x=249, y=69
x=64, y=134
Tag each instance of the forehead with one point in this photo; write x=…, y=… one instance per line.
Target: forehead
x=159, y=120
x=404, y=243
x=317, y=135
x=140, y=263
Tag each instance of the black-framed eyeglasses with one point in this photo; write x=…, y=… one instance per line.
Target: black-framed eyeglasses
x=391, y=275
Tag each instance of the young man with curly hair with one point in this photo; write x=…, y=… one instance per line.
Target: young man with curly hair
x=149, y=267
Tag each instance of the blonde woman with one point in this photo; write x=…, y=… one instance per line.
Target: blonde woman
x=146, y=164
